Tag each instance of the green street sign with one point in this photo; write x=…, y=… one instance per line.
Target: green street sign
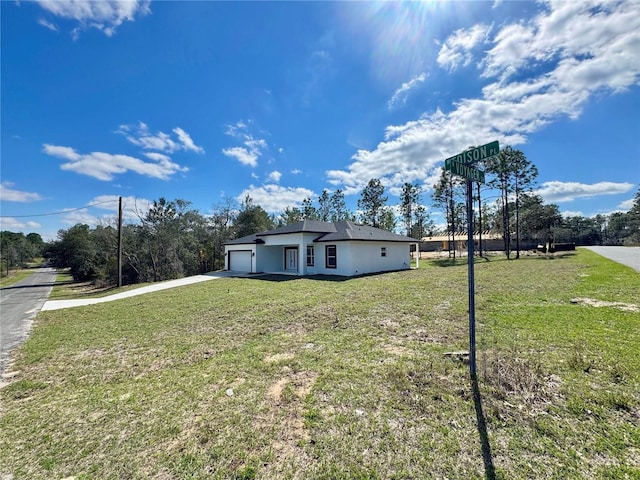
x=476, y=154
x=464, y=170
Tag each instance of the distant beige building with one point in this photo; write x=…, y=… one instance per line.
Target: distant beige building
x=441, y=241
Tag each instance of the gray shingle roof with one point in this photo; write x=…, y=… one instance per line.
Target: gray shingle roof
x=329, y=232
x=253, y=238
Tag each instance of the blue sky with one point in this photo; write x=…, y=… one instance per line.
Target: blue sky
x=205, y=101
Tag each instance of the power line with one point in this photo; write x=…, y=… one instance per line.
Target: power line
x=61, y=212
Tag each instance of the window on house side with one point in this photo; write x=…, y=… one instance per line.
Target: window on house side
x=310, y=256
x=331, y=256
x=383, y=251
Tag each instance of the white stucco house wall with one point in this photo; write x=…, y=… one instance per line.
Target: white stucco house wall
x=312, y=247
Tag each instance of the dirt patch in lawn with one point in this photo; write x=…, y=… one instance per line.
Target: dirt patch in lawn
x=592, y=302
x=279, y=357
x=285, y=401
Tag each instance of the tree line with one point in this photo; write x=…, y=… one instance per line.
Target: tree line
x=518, y=215
x=172, y=239
x=17, y=249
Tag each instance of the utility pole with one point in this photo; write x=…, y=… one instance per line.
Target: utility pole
x=119, y=241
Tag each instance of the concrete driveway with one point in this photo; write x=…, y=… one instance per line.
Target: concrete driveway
x=58, y=304
x=629, y=256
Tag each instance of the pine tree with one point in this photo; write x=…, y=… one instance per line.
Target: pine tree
x=514, y=174
x=371, y=203
x=309, y=212
x=324, y=206
x=409, y=202
x=446, y=196
x=338, y=207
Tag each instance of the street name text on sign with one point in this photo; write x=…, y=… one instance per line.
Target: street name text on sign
x=461, y=164
x=464, y=170
x=475, y=154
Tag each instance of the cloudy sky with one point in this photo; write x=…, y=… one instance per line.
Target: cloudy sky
x=205, y=101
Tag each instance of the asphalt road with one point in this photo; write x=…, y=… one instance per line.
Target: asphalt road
x=19, y=304
x=629, y=256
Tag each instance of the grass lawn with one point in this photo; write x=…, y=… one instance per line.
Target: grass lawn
x=65, y=288
x=14, y=276
x=282, y=377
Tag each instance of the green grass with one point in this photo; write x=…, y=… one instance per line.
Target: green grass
x=65, y=288
x=14, y=276
x=310, y=378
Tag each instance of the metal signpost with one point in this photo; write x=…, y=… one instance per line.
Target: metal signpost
x=461, y=165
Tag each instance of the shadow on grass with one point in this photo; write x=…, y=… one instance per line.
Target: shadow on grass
x=34, y=285
x=489, y=470
x=461, y=261
x=276, y=277
x=279, y=277
x=454, y=262
x=82, y=292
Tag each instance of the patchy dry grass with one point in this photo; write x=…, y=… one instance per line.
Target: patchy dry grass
x=65, y=288
x=14, y=276
x=326, y=378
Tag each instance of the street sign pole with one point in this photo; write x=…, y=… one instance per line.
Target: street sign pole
x=471, y=281
x=463, y=165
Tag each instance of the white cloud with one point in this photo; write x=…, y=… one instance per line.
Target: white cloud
x=296, y=171
x=401, y=94
x=186, y=141
x=105, y=15
x=275, y=198
x=243, y=155
x=457, y=49
x=571, y=213
x=626, y=205
x=157, y=157
x=62, y=152
x=274, y=176
x=163, y=142
x=132, y=207
x=319, y=70
x=559, y=192
x=50, y=25
x=80, y=216
x=253, y=147
x=412, y=152
x=572, y=64
x=10, y=223
x=104, y=166
x=8, y=194
x=599, y=38
x=237, y=130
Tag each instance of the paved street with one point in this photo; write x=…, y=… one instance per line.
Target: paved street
x=629, y=256
x=19, y=304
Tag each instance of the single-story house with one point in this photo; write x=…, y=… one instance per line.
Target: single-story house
x=312, y=247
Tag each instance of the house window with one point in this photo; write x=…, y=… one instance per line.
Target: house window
x=331, y=256
x=310, y=256
x=383, y=251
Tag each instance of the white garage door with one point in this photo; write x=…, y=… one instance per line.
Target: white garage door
x=240, y=261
